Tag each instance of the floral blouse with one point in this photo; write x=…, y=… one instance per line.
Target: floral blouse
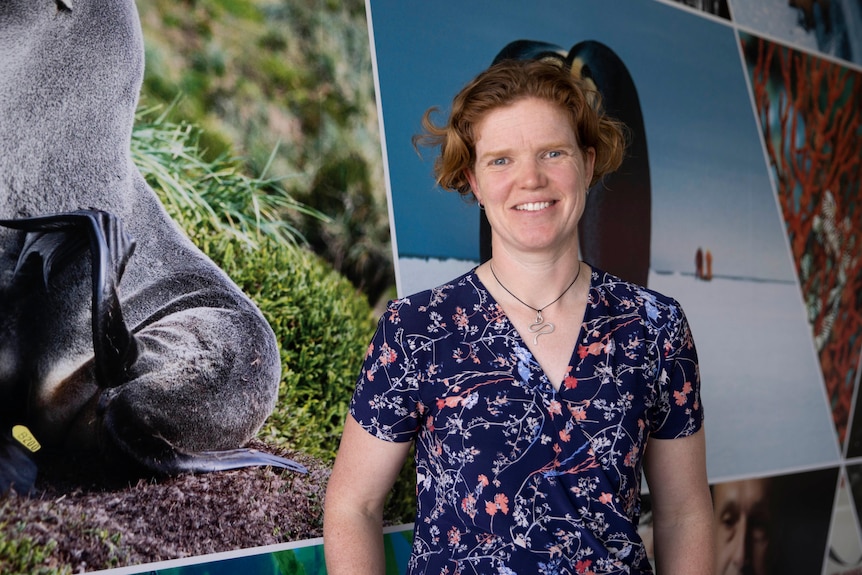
x=514, y=476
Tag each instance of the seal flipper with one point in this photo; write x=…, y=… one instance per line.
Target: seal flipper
x=57, y=239
x=55, y=249
x=153, y=453
x=206, y=461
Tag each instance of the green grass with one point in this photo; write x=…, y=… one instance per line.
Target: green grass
x=322, y=322
x=211, y=195
x=22, y=555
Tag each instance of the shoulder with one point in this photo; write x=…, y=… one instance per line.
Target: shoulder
x=441, y=299
x=621, y=297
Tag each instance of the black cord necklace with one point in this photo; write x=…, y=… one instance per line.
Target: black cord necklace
x=540, y=326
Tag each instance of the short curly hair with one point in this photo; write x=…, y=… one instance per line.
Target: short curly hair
x=503, y=84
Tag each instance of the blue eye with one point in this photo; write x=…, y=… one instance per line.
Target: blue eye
x=498, y=162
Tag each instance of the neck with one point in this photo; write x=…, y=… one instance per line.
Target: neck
x=536, y=279
x=538, y=310
x=540, y=326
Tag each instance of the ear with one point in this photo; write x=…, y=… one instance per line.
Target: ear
x=471, y=179
x=64, y=5
x=589, y=165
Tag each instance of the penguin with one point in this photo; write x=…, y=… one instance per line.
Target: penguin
x=615, y=229
x=117, y=335
x=531, y=50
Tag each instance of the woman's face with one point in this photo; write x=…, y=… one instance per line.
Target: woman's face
x=531, y=176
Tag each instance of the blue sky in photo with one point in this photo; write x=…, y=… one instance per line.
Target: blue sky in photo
x=709, y=177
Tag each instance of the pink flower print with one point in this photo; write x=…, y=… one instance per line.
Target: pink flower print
x=460, y=317
x=468, y=506
x=578, y=412
x=631, y=457
x=682, y=396
x=450, y=401
x=454, y=536
x=387, y=355
x=500, y=503
x=496, y=314
x=594, y=348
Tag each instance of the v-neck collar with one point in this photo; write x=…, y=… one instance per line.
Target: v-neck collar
x=520, y=343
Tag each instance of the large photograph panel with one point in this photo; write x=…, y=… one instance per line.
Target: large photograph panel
x=710, y=193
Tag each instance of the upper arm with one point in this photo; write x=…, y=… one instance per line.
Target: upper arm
x=682, y=506
x=676, y=469
x=680, y=462
x=365, y=470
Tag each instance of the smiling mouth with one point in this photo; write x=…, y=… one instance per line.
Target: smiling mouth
x=533, y=206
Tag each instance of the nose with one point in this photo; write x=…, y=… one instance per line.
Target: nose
x=531, y=174
x=738, y=547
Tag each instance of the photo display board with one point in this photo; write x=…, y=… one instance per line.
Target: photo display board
x=746, y=207
x=752, y=122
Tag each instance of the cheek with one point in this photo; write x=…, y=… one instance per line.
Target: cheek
x=487, y=187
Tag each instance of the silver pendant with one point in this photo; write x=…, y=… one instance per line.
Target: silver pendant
x=540, y=326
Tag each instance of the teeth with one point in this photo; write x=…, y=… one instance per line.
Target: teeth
x=533, y=206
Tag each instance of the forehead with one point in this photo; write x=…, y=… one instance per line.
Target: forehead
x=741, y=492
x=526, y=120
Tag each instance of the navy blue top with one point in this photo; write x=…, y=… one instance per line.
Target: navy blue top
x=514, y=476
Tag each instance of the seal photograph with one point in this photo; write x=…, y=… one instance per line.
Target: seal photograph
x=136, y=374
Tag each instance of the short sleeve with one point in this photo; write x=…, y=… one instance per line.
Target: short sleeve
x=385, y=402
x=681, y=411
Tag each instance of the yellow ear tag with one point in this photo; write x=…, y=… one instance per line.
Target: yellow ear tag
x=25, y=438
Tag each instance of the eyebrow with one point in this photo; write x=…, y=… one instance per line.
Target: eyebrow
x=504, y=152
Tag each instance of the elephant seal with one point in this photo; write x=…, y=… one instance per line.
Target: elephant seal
x=117, y=335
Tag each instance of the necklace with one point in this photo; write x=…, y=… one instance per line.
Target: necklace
x=540, y=326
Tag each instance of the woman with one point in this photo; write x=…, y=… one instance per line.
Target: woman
x=531, y=384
